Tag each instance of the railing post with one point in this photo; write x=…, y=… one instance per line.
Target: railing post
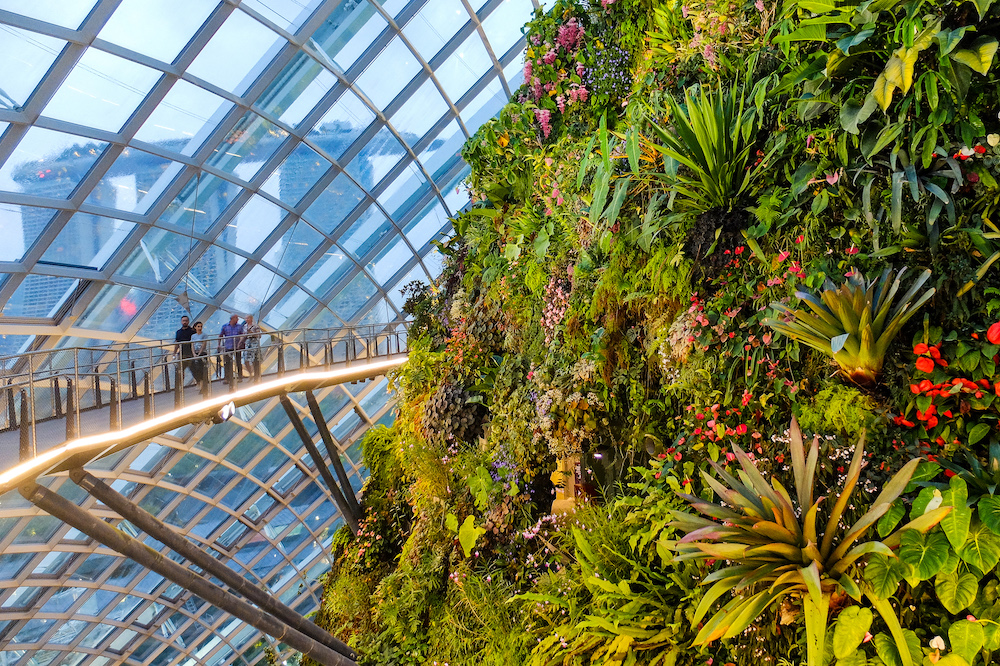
x=281, y=355
x=76, y=393
x=11, y=410
x=303, y=355
x=132, y=377
x=147, y=397
x=27, y=450
x=71, y=411
x=98, y=398
x=327, y=356
x=56, y=397
x=166, y=373
x=178, y=384
x=114, y=420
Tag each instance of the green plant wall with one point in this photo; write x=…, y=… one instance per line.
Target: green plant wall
x=683, y=267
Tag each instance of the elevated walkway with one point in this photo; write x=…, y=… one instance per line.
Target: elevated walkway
x=46, y=430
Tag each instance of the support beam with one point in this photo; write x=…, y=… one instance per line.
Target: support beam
x=118, y=541
x=324, y=471
x=334, y=453
x=168, y=537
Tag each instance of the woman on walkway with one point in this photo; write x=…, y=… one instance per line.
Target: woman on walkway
x=251, y=348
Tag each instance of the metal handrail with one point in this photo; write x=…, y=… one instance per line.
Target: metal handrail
x=64, y=383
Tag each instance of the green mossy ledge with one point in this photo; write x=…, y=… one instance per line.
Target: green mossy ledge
x=687, y=233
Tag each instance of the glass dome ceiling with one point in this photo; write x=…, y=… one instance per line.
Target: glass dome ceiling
x=292, y=159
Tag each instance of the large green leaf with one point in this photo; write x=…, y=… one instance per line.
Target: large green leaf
x=979, y=56
x=882, y=91
x=956, y=592
x=966, y=638
x=926, y=554
x=468, y=534
x=989, y=512
x=982, y=6
x=888, y=652
x=982, y=548
x=850, y=630
x=956, y=523
x=883, y=575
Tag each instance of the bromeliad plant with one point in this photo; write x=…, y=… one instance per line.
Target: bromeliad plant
x=854, y=323
x=776, y=547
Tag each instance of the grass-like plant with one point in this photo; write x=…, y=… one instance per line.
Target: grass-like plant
x=712, y=136
x=775, y=546
x=855, y=322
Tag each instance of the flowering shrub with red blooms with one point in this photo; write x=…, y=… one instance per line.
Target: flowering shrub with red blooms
x=956, y=393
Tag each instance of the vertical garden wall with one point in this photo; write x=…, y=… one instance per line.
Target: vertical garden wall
x=731, y=268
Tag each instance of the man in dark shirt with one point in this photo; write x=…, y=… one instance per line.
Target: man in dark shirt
x=183, y=339
x=231, y=343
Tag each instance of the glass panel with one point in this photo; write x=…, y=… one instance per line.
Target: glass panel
x=212, y=272
x=292, y=249
x=255, y=221
x=14, y=344
x=156, y=28
x=503, y=25
x=426, y=225
x=296, y=175
x=200, y=203
x=247, y=146
x=63, y=599
x=114, y=308
x=248, y=297
x=102, y=91
x=87, y=241
x=342, y=124
x=349, y=30
x=334, y=204
x=48, y=163
x=389, y=261
x=184, y=118
x=33, y=631
x=443, y=150
x=68, y=631
x=297, y=90
x=287, y=14
x=39, y=296
x=376, y=159
x=53, y=564
x=514, y=71
x=237, y=53
x=24, y=58
x=291, y=310
x=96, y=636
x=434, y=261
x=485, y=105
x=419, y=113
x=21, y=225
x=434, y=25
x=464, y=67
x=22, y=597
x=134, y=181
x=327, y=272
x=367, y=231
x=404, y=192
x=158, y=254
x=389, y=73
x=455, y=193
x=67, y=13
x=353, y=297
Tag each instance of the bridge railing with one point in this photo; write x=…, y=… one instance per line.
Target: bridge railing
x=68, y=383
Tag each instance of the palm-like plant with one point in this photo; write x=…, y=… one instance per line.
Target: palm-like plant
x=853, y=323
x=774, y=546
x=713, y=139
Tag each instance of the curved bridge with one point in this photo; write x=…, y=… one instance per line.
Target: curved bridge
x=45, y=416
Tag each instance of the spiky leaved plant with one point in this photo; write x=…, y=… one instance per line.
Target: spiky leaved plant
x=774, y=546
x=853, y=323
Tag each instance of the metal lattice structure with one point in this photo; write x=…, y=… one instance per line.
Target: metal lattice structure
x=291, y=159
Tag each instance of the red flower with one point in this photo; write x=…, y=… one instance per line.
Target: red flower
x=920, y=348
x=925, y=364
x=741, y=429
x=914, y=389
x=932, y=422
x=934, y=352
x=993, y=334
x=980, y=149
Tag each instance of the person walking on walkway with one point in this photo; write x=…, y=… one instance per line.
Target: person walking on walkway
x=199, y=349
x=182, y=340
x=231, y=341
x=251, y=348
